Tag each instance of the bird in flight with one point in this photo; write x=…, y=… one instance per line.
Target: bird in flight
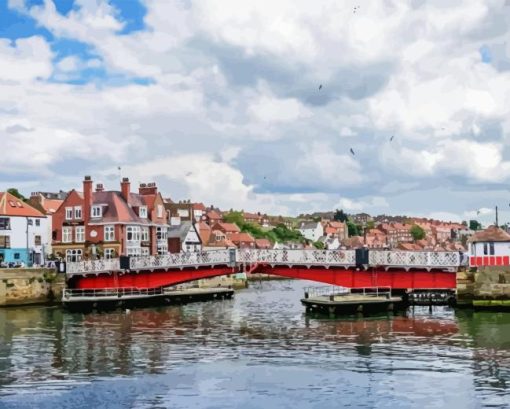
x=477, y=212
x=320, y=87
x=392, y=136
x=352, y=151
x=356, y=8
x=189, y=173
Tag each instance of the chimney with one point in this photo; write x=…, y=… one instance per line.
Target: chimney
x=87, y=198
x=148, y=189
x=125, y=188
x=99, y=187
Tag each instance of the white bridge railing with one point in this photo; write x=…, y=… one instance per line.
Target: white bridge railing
x=232, y=258
x=202, y=258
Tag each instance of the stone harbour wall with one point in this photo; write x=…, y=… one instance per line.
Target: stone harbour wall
x=20, y=286
x=486, y=287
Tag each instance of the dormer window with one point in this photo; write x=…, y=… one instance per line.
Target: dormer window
x=143, y=212
x=97, y=211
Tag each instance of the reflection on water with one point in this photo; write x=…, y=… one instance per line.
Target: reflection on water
x=259, y=349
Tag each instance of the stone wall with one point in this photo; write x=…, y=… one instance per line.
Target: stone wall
x=30, y=286
x=487, y=287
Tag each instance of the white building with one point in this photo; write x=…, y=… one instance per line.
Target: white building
x=24, y=232
x=184, y=238
x=489, y=247
x=311, y=230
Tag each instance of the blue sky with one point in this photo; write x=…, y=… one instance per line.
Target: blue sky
x=219, y=101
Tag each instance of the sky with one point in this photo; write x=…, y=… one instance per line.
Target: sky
x=218, y=101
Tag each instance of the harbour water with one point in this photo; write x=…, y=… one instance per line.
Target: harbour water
x=259, y=350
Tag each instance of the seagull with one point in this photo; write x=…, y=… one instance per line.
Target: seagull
x=392, y=136
x=189, y=173
x=352, y=152
x=477, y=212
x=320, y=87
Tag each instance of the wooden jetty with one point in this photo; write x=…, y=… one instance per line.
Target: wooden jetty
x=335, y=301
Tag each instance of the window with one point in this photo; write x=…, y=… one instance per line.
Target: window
x=109, y=233
x=37, y=240
x=80, y=234
x=5, y=223
x=145, y=234
x=491, y=249
x=133, y=233
x=73, y=255
x=37, y=222
x=135, y=251
x=97, y=211
x=160, y=211
x=142, y=212
x=16, y=256
x=161, y=233
x=77, y=212
x=30, y=222
x=109, y=253
x=145, y=251
x=69, y=213
x=5, y=242
x=67, y=235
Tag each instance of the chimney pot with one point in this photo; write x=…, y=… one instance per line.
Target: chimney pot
x=88, y=178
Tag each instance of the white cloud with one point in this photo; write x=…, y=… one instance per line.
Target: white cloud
x=25, y=60
x=368, y=204
x=271, y=109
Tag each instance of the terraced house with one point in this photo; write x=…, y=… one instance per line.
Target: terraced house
x=93, y=224
x=24, y=237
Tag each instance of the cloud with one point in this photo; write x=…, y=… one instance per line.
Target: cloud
x=26, y=60
x=230, y=91
x=369, y=204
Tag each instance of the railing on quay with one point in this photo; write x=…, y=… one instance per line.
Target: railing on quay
x=333, y=291
x=233, y=257
x=110, y=292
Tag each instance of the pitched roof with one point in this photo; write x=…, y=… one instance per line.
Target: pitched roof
x=242, y=237
x=263, y=243
x=490, y=234
x=198, y=206
x=204, y=231
x=180, y=231
x=213, y=214
x=10, y=205
x=308, y=225
x=227, y=227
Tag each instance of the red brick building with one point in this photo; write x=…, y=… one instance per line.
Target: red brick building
x=94, y=224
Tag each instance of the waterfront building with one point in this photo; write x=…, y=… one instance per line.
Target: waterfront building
x=110, y=223
x=338, y=229
x=311, y=230
x=24, y=234
x=263, y=244
x=490, y=247
x=243, y=240
x=47, y=203
x=184, y=238
x=396, y=233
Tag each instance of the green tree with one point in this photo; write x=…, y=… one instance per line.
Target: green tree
x=13, y=191
x=353, y=229
x=417, y=232
x=319, y=245
x=475, y=225
x=340, y=216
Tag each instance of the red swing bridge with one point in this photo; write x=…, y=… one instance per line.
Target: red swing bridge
x=404, y=271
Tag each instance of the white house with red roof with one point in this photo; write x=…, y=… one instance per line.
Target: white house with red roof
x=24, y=238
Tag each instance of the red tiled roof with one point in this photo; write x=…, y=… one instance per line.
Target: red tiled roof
x=242, y=237
x=198, y=206
x=263, y=243
x=50, y=206
x=492, y=233
x=12, y=206
x=213, y=214
x=227, y=227
x=204, y=231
